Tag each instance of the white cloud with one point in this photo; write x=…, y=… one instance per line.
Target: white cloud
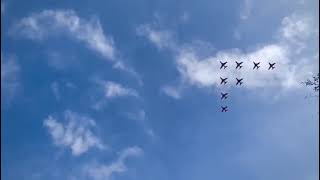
x=171, y=92
x=121, y=66
x=293, y=65
x=113, y=90
x=162, y=39
x=106, y=172
x=298, y=29
x=49, y=22
x=108, y=90
x=9, y=79
x=206, y=72
x=75, y=133
x=66, y=23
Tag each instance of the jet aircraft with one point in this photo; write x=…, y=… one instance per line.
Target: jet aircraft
x=256, y=65
x=224, y=108
x=223, y=80
x=271, y=66
x=223, y=65
x=239, y=65
x=224, y=96
x=239, y=81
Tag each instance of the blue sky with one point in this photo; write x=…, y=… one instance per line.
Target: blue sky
x=117, y=90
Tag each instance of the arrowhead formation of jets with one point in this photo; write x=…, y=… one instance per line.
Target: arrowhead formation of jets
x=239, y=81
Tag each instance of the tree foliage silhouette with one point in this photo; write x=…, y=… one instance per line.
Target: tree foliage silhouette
x=314, y=83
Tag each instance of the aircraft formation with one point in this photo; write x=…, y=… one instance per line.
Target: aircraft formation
x=239, y=81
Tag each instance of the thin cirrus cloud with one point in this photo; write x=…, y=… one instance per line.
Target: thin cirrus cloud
x=10, y=83
x=113, y=90
x=171, y=92
x=40, y=26
x=55, y=90
x=293, y=64
x=246, y=9
x=110, y=90
x=141, y=117
x=75, y=133
x=99, y=171
x=160, y=38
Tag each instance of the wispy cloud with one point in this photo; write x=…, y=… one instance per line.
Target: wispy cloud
x=109, y=90
x=55, y=90
x=171, y=92
x=246, y=9
x=297, y=29
x=98, y=171
x=10, y=70
x=40, y=26
x=121, y=66
x=61, y=61
x=141, y=117
x=161, y=38
x=74, y=133
x=52, y=23
x=113, y=90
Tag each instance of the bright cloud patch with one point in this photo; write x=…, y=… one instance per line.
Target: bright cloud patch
x=206, y=72
x=106, y=172
x=293, y=64
x=113, y=90
x=75, y=133
x=290, y=71
x=60, y=22
x=296, y=28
